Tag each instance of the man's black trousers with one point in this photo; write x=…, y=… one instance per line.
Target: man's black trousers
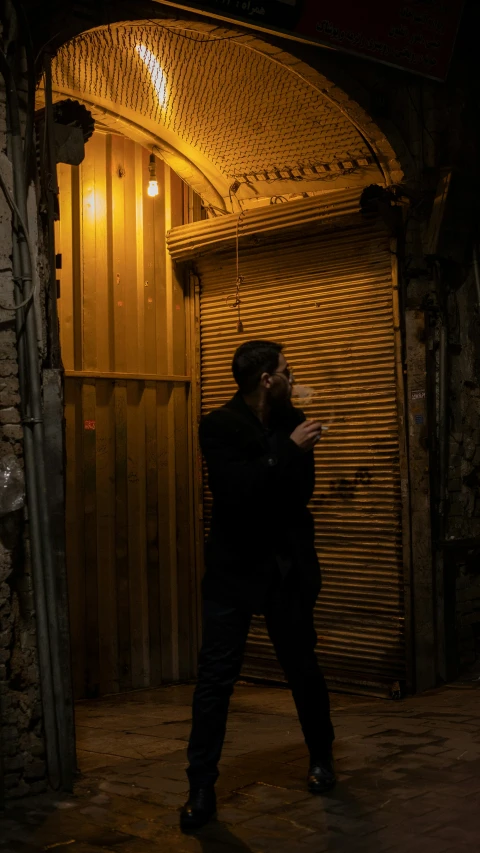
x=289, y=618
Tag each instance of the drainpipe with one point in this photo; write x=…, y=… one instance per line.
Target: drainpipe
x=51, y=191
x=476, y=272
x=442, y=406
x=441, y=603
x=43, y=639
x=442, y=427
x=2, y=766
x=39, y=522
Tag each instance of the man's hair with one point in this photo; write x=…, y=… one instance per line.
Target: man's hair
x=251, y=360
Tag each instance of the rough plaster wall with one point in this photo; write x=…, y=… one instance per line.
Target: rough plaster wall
x=464, y=470
x=21, y=735
x=441, y=126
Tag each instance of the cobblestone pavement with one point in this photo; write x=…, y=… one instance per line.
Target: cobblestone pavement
x=409, y=779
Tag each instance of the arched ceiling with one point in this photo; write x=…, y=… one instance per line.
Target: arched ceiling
x=238, y=124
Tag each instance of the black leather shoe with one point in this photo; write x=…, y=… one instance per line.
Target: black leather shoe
x=199, y=809
x=321, y=776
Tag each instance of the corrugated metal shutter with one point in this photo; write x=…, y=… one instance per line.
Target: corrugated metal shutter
x=328, y=299
x=327, y=212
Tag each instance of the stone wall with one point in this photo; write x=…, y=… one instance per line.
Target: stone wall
x=21, y=731
x=22, y=764
x=463, y=531
x=464, y=421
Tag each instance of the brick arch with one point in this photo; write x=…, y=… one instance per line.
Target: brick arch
x=384, y=143
x=316, y=138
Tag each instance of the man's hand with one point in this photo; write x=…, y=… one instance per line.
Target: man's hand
x=307, y=434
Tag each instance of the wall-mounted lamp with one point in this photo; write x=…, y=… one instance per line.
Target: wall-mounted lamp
x=152, y=190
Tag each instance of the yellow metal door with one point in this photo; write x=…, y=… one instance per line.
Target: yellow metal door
x=328, y=297
x=125, y=337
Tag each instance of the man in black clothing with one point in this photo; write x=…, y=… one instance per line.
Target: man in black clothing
x=260, y=558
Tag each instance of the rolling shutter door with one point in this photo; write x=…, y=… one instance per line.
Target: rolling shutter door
x=328, y=298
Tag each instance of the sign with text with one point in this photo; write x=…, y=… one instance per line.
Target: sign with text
x=415, y=35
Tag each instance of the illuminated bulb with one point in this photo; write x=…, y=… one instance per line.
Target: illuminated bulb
x=152, y=189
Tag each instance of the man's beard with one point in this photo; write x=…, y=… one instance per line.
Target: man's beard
x=280, y=402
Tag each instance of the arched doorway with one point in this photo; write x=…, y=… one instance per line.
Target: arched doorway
x=225, y=108
x=238, y=125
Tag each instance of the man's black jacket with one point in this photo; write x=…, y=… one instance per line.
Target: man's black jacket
x=261, y=483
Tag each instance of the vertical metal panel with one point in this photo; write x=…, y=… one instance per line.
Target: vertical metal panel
x=106, y=539
x=75, y=534
x=170, y=438
x=120, y=514
x=328, y=298
x=89, y=527
x=129, y=498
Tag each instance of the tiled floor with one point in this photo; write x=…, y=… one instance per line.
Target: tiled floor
x=409, y=779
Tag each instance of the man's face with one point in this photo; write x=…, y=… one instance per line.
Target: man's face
x=279, y=389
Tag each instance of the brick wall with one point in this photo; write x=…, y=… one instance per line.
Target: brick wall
x=21, y=736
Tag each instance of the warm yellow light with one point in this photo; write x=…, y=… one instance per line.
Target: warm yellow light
x=152, y=189
x=94, y=207
x=157, y=76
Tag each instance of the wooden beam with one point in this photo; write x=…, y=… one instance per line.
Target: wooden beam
x=139, y=377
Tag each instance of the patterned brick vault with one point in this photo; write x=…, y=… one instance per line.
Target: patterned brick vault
x=240, y=120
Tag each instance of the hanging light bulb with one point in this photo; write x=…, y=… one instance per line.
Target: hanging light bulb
x=152, y=189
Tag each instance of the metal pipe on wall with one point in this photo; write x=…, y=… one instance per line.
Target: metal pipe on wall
x=51, y=191
x=476, y=272
x=442, y=426
x=442, y=603
x=442, y=409
x=49, y=715
x=440, y=600
x=43, y=638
